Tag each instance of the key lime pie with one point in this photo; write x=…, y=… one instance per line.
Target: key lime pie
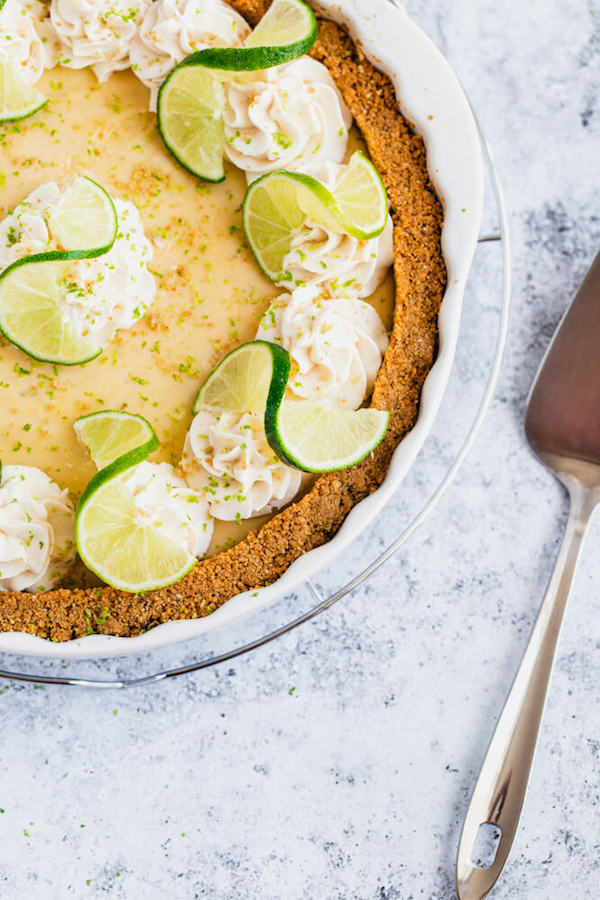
x=220, y=275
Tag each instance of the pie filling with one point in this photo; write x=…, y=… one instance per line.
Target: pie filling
x=180, y=288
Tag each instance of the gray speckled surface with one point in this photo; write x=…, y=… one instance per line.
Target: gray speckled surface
x=229, y=784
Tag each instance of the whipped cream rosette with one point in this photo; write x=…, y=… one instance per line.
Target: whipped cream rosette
x=24, y=231
x=336, y=345
x=333, y=260
x=96, y=33
x=163, y=499
x=287, y=117
x=26, y=38
x=172, y=29
x=112, y=292
x=228, y=461
x=37, y=530
x=102, y=295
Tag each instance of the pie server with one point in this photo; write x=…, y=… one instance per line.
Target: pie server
x=562, y=425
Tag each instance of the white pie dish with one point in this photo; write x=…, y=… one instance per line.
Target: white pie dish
x=432, y=99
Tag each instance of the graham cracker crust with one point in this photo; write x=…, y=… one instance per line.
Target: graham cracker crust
x=420, y=275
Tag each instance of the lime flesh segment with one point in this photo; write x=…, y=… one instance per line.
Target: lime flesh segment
x=319, y=438
x=84, y=218
x=110, y=434
x=361, y=197
x=190, y=120
x=124, y=553
x=31, y=317
x=277, y=205
x=285, y=23
x=17, y=98
x=250, y=378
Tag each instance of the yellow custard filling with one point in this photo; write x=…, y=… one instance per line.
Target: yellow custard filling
x=210, y=294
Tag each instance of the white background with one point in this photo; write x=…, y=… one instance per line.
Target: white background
x=224, y=784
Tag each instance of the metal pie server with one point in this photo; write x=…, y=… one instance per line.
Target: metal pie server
x=562, y=425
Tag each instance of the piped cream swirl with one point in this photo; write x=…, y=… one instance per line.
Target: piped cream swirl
x=101, y=295
x=37, y=530
x=96, y=33
x=25, y=38
x=339, y=264
x=288, y=117
x=162, y=499
x=172, y=29
x=336, y=345
x=227, y=460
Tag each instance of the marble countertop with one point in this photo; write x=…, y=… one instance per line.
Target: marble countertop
x=338, y=762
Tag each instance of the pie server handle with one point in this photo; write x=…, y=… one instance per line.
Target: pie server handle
x=500, y=789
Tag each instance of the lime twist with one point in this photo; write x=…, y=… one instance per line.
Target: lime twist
x=192, y=98
x=277, y=205
x=112, y=541
x=312, y=437
x=250, y=378
x=33, y=288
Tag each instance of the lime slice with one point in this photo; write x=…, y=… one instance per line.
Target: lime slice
x=190, y=122
x=286, y=31
x=361, y=197
x=191, y=100
x=308, y=436
x=111, y=541
x=110, y=434
x=248, y=379
x=84, y=218
x=111, y=538
x=17, y=98
x=319, y=438
x=285, y=24
x=277, y=205
x=30, y=313
x=32, y=289
x=272, y=214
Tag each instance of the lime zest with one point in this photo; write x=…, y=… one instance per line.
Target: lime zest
x=18, y=99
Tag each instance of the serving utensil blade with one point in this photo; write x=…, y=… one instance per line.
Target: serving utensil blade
x=562, y=425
